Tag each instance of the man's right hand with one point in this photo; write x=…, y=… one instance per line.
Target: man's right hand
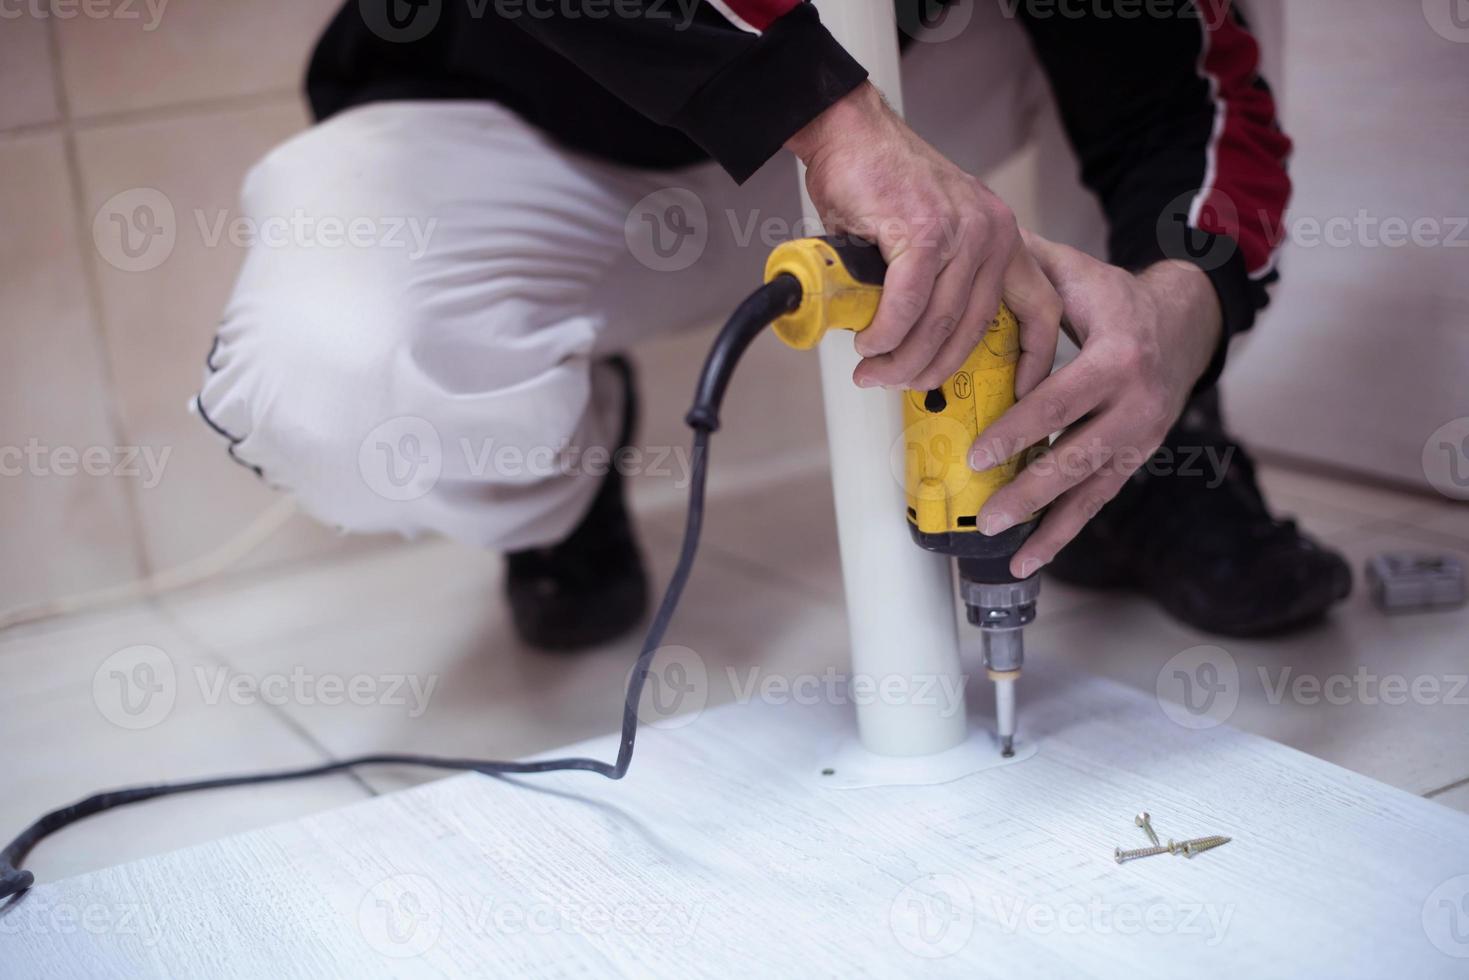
x=952, y=247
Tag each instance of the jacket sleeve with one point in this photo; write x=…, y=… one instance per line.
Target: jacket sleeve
x=1177, y=135
x=738, y=77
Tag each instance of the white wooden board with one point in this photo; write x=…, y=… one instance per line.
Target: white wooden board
x=719, y=857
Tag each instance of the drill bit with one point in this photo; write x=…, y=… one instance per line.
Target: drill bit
x=1005, y=711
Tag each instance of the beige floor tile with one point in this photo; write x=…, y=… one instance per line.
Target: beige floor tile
x=67, y=527
x=1417, y=745
x=309, y=599
x=160, y=320
x=164, y=53
x=1328, y=506
x=1443, y=525
x=26, y=78
x=772, y=422
x=62, y=699
x=436, y=616
x=1456, y=798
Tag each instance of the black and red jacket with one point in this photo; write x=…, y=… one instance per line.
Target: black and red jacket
x=1175, y=129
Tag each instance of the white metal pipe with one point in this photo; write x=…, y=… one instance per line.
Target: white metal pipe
x=900, y=603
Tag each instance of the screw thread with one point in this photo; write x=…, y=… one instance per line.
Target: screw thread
x=1199, y=844
x=1120, y=855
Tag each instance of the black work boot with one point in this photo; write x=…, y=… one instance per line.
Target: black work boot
x=590, y=588
x=1191, y=530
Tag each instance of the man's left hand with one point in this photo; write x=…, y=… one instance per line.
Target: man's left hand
x=1145, y=341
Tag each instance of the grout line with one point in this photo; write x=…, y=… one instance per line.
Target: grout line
x=183, y=110
x=1410, y=529
x=31, y=129
x=1342, y=474
x=1444, y=789
x=93, y=289
x=1302, y=507
x=754, y=569
x=280, y=713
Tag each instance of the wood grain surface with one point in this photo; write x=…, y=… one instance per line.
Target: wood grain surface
x=720, y=856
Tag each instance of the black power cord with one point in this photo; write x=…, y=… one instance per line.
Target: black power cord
x=778, y=297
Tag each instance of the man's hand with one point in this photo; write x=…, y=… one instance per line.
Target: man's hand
x=952, y=247
x=1145, y=341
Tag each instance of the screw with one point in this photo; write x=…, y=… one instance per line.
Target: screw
x=1120, y=855
x=1146, y=823
x=1191, y=847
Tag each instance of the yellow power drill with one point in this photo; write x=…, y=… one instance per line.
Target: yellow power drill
x=841, y=284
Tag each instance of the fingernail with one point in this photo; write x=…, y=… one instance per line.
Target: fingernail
x=1029, y=567
x=995, y=523
x=981, y=460
x=866, y=383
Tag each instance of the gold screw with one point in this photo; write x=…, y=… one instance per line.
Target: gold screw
x=1198, y=845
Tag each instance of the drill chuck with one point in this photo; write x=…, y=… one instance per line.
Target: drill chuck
x=1001, y=610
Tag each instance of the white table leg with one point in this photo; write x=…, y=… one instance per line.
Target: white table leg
x=900, y=605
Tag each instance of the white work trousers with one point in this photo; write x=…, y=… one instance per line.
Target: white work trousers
x=417, y=346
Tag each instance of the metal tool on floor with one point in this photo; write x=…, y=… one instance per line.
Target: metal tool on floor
x=1401, y=582
x=841, y=285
